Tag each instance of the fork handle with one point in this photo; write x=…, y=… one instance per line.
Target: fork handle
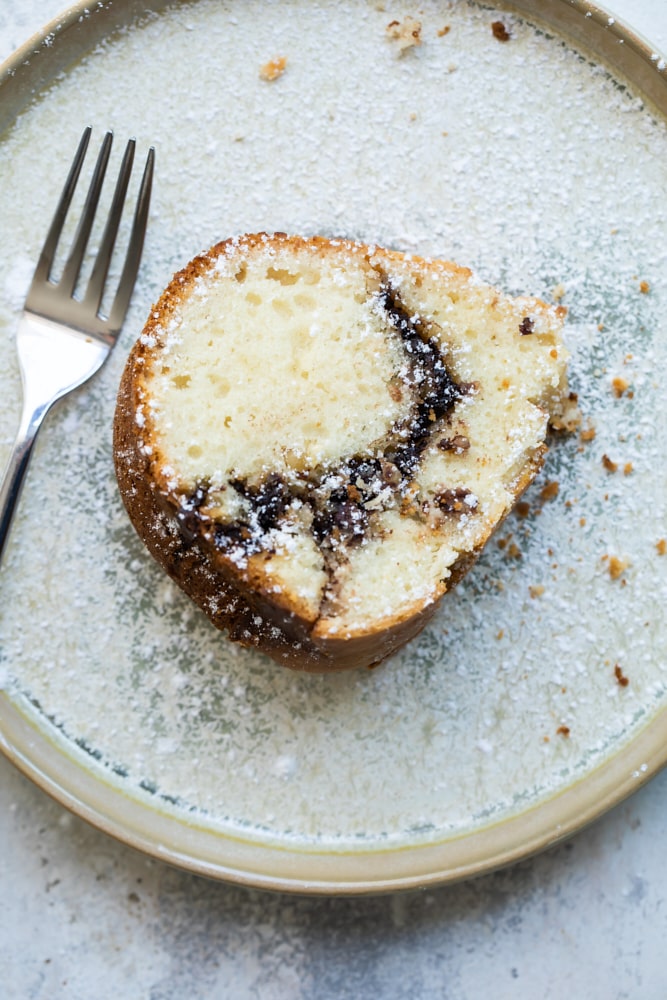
x=17, y=466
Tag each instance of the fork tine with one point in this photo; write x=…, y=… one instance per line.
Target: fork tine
x=75, y=258
x=136, y=244
x=45, y=262
x=95, y=290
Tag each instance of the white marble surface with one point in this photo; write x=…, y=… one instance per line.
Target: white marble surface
x=83, y=916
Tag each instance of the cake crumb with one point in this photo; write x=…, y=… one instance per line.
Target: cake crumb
x=644, y=287
x=406, y=33
x=620, y=676
x=273, y=68
x=609, y=465
x=661, y=546
x=617, y=567
x=523, y=508
x=620, y=386
x=628, y=469
x=563, y=731
x=444, y=31
x=510, y=548
x=587, y=433
x=558, y=292
x=500, y=31
x=550, y=490
x=537, y=590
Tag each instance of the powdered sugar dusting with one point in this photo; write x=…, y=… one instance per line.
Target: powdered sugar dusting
x=457, y=149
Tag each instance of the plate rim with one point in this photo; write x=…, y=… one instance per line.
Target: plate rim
x=92, y=795
x=159, y=833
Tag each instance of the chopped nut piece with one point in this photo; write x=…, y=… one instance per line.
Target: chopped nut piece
x=406, y=34
x=523, y=508
x=459, y=444
x=608, y=464
x=273, y=68
x=455, y=500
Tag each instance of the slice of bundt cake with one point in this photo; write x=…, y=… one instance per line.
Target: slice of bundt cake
x=315, y=437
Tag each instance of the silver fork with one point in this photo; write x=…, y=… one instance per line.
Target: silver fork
x=63, y=340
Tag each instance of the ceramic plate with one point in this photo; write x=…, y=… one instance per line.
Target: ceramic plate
x=536, y=697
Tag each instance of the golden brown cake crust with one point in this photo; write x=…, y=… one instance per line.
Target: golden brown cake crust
x=240, y=603
x=249, y=618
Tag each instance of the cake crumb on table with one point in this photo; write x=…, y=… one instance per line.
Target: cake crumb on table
x=661, y=546
x=608, y=464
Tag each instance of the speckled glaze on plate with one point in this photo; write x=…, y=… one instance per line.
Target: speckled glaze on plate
x=535, y=700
